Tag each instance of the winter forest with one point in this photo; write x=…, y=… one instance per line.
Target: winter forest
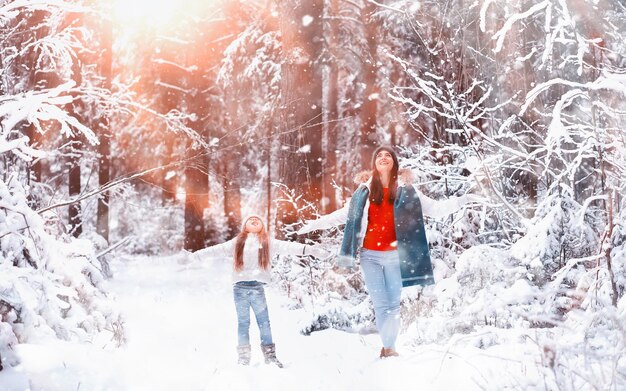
x=134, y=131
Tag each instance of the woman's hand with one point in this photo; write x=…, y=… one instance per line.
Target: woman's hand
x=309, y=225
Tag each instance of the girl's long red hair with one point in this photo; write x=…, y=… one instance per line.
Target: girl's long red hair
x=264, y=250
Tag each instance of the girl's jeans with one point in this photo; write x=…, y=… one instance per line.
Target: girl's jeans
x=251, y=294
x=381, y=272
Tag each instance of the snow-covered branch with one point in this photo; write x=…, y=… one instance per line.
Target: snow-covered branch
x=37, y=107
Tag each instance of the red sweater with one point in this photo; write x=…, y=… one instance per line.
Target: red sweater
x=381, y=232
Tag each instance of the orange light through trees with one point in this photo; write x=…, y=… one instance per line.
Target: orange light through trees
x=146, y=13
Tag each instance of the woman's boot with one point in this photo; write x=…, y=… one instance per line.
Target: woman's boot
x=269, y=351
x=388, y=352
x=244, y=352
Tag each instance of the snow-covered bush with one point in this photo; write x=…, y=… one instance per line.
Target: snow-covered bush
x=557, y=233
x=334, y=298
x=141, y=218
x=49, y=287
x=487, y=282
x=588, y=351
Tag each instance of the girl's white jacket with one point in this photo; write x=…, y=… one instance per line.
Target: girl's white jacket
x=251, y=270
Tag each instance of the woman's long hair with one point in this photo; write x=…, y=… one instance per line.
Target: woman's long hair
x=376, y=188
x=264, y=250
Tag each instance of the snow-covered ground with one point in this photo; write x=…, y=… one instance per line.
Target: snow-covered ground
x=181, y=335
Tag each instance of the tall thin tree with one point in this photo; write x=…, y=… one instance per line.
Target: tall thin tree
x=330, y=112
x=36, y=22
x=103, y=129
x=75, y=147
x=369, y=109
x=196, y=171
x=301, y=107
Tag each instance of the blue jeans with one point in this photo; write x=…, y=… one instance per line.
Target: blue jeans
x=251, y=294
x=381, y=272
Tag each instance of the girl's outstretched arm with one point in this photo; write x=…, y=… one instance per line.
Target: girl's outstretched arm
x=283, y=247
x=334, y=219
x=222, y=250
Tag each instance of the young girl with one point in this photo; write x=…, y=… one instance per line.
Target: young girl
x=385, y=225
x=251, y=252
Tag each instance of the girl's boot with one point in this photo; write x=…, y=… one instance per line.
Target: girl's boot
x=269, y=351
x=244, y=352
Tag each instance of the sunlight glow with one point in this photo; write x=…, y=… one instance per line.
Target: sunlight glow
x=147, y=13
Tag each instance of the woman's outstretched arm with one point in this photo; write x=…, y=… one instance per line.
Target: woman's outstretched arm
x=283, y=247
x=334, y=219
x=441, y=208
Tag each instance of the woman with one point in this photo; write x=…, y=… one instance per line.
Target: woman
x=384, y=222
x=251, y=252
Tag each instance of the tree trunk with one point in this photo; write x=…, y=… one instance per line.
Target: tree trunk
x=170, y=84
x=104, y=133
x=301, y=117
x=330, y=109
x=196, y=201
x=232, y=193
x=75, y=109
x=169, y=180
x=268, y=182
x=369, y=138
x=37, y=81
x=74, y=210
x=197, y=172
x=607, y=252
